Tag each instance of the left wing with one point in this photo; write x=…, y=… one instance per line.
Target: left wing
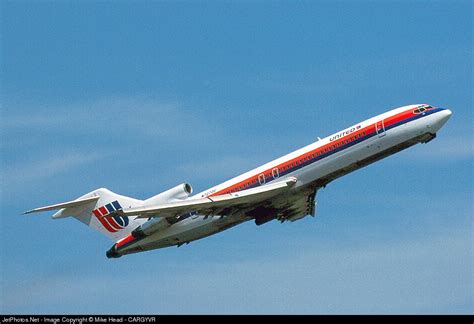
x=217, y=205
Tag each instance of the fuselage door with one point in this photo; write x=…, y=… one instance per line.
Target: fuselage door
x=261, y=179
x=380, y=128
x=275, y=173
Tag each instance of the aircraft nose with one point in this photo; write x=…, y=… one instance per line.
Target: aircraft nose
x=446, y=114
x=442, y=118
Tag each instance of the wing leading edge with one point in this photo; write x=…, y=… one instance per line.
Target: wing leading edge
x=217, y=205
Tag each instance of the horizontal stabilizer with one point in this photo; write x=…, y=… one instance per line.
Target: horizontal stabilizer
x=74, y=203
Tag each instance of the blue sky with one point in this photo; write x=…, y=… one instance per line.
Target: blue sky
x=141, y=96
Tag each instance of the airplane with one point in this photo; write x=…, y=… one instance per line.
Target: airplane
x=283, y=189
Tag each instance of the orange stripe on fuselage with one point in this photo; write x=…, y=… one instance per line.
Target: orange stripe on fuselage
x=241, y=185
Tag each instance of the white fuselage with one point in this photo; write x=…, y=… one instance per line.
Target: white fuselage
x=314, y=165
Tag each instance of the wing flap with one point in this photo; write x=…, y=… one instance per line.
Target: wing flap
x=302, y=205
x=74, y=203
x=209, y=205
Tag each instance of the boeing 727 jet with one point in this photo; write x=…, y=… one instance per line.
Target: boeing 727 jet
x=283, y=189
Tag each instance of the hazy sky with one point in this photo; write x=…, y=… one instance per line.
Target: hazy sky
x=139, y=96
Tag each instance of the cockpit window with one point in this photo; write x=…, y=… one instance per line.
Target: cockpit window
x=421, y=109
x=418, y=110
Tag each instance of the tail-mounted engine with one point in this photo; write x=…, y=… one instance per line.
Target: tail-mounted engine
x=179, y=192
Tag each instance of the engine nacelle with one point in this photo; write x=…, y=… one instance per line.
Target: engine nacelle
x=179, y=192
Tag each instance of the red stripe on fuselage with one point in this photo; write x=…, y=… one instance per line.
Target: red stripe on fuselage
x=282, y=167
x=398, y=117
x=124, y=241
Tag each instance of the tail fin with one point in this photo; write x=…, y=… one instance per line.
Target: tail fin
x=92, y=209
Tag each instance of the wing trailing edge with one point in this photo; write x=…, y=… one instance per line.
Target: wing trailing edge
x=211, y=205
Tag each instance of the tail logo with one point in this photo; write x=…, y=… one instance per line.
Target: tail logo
x=111, y=223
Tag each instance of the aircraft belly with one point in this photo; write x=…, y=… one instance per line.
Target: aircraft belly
x=186, y=231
